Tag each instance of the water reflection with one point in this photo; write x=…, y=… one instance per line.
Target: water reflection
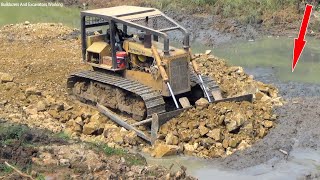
x=272, y=52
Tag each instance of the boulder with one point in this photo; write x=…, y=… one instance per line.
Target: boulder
x=243, y=145
x=202, y=102
x=233, y=142
x=208, y=52
x=232, y=125
x=185, y=135
x=203, y=130
x=190, y=148
x=90, y=128
x=215, y=134
x=117, y=138
x=55, y=114
x=161, y=150
x=172, y=139
x=268, y=124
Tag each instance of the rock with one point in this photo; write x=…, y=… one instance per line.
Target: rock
x=31, y=111
x=5, y=77
x=64, y=162
x=233, y=142
x=265, y=98
x=243, y=145
x=67, y=107
x=268, y=124
x=108, y=129
x=26, y=23
x=189, y=148
x=203, y=130
x=131, y=138
x=41, y=106
x=208, y=52
x=32, y=91
x=89, y=128
x=215, y=134
x=185, y=135
x=79, y=121
x=202, y=102
x=117, y=138
x=262, y=132
x=95, y=118
x=172, y=139
x=225, y=143
x=55, y=114
x=161, y=150
x=232, y=125
x=259, y=95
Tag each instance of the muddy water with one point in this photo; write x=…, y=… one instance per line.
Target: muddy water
x=272, y=52
x=299, y=163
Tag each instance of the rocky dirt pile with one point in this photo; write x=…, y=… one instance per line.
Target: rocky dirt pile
x=218, y=130
x=42, y=155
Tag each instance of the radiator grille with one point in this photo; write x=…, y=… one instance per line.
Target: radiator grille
x=179, y=75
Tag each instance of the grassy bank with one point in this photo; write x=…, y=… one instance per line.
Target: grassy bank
x=247, y=11
x=12, y=15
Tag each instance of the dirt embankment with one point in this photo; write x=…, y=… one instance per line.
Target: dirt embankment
x=37, y=59
x=42, y=155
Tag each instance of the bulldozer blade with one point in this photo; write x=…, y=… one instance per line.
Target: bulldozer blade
x=166, y=116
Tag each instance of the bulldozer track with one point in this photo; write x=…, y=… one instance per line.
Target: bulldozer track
x=209, y=82
x=153, y=100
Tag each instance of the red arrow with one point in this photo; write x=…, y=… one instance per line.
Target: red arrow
x=299, y=42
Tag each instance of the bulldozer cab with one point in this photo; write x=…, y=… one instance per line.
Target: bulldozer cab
x=104, y=34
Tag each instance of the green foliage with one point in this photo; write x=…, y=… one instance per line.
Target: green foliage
x=62, y=135
x=4, y=169
x=8, y=134
x=112, y=151
x=40, y=177
x=133, y=159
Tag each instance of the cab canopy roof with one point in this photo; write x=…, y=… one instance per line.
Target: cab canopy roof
x=134, y=16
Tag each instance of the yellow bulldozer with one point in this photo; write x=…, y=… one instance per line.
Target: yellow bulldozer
x=135, y=72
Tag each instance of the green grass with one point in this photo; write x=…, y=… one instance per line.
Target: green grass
x=62, y=135
x=4, y=169
x=12, y=15
x=9, y=134
x=112, y=151
x=131, y=159
x=40, y=177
